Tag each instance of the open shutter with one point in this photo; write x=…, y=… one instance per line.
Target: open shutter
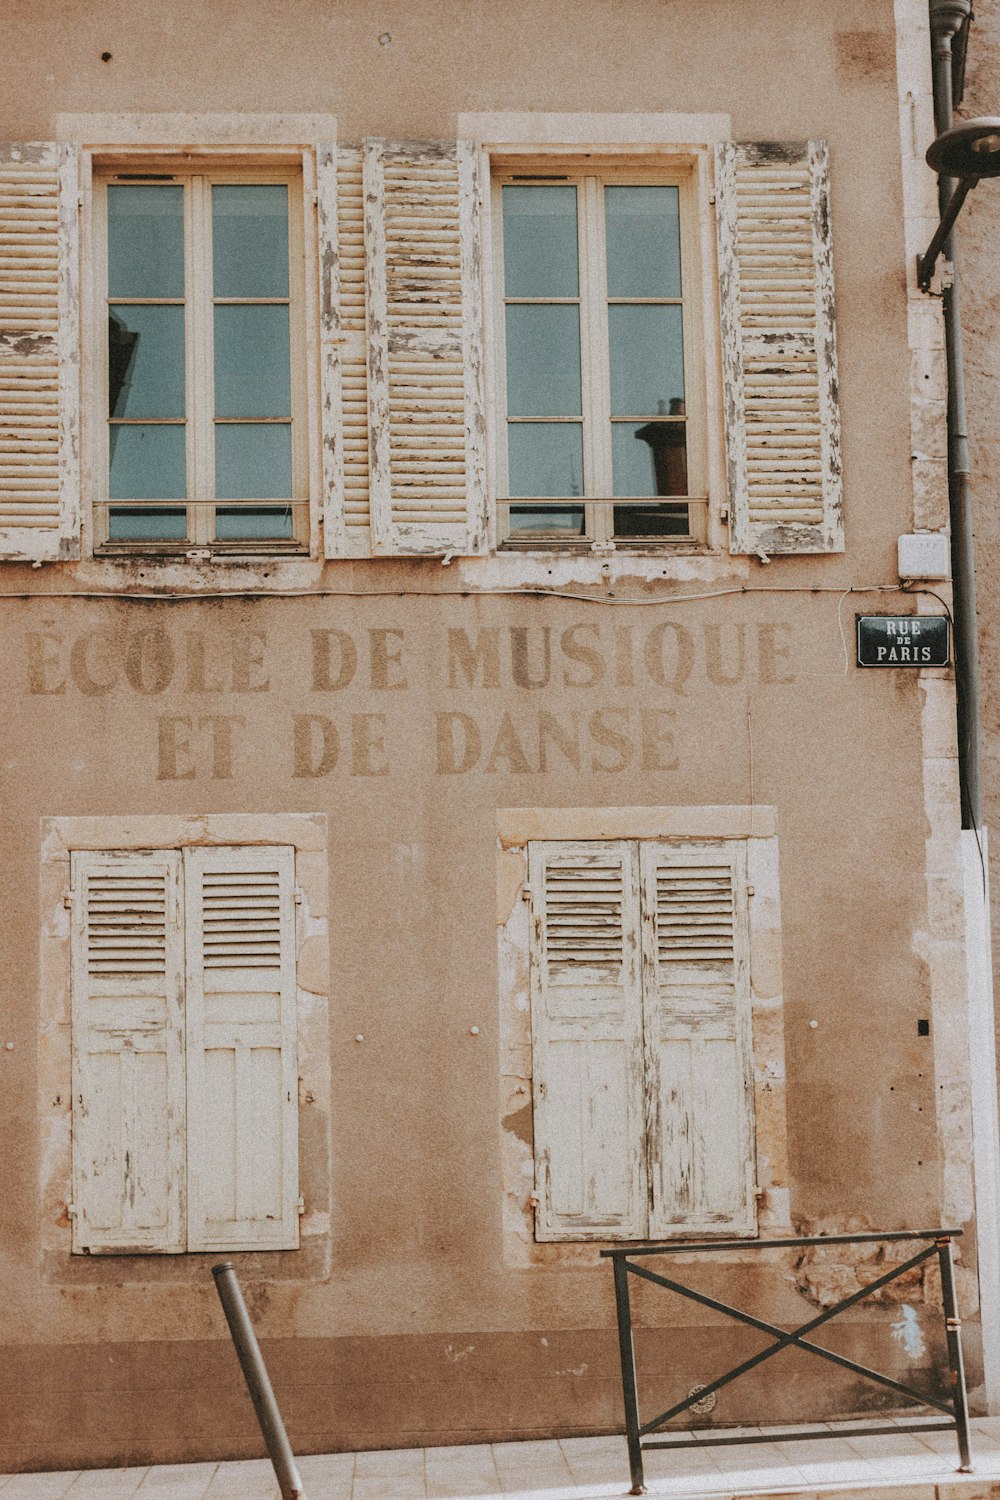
x=128, y=1053
x=242, y=1076
x=425, y=339
x=587, y=1059
x=698, y=1056
x=345, y=352
x=39, y=351
x=779, y=354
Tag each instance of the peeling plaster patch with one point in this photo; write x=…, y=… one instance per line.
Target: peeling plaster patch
x=454, y=1355
x=577, y=1370
x=908, y=1331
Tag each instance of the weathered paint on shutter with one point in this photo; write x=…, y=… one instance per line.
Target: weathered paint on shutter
x=425, y=343
x=344, y=351
x=39, y=351
x=779, y=352
x=698, y=1054
x=587, y=1059
x=241, y=1060
x=128, y=1053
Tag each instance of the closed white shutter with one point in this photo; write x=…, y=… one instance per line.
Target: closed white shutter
x=425, y=343
x=779, y=352
x=345, y=352
x=39, y=351
x=241, y=1061
x=128, y=1053
x=587, y=1057
x=698, y=1055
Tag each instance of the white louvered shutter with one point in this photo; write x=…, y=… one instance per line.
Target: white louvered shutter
x=779, y=354
x=425, y=348
x=39, y=351
x=241, y=1060
x=587, y=1057
x=128, y=1053
x=345, y=352
x=698, y=1055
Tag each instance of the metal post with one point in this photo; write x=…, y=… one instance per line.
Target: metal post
x=953, y=1330
x=626, y=1349
x=258, y=1384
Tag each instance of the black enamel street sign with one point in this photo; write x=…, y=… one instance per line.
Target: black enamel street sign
x=903, y=641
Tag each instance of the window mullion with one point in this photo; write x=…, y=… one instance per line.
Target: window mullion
x=596, y=326
x=201, y=403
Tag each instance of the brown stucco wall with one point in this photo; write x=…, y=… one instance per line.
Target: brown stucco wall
x=414, y=1326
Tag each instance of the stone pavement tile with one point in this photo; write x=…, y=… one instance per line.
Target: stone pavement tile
x=390, y=1487
x=520, y=1455
x=529, y=1481
x=901, y=1457
x=244, y=1479
x=106, y=1484
x=385, y=1462
x=450, y=1483
x=472, y=1453
x=166, y=1476
x=39, y=1486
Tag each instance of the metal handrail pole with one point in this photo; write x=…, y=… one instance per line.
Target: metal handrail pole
x=953, y=1331
x=258, y=1383
x=626, y=1348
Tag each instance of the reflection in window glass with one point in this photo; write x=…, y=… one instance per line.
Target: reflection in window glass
x=147, y=462
x=252, y=362
x=546, y=459
x=250, y=239
x=643, y=241
x=253, y=461
x=146, y=361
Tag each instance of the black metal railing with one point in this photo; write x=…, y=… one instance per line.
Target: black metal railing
x=937, y=1242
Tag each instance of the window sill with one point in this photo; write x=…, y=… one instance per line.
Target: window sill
x=190, y=552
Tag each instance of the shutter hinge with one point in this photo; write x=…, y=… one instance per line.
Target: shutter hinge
x=71, y=1210
x=750, y=890
x=68, y=900
x=297, y=896
x=300, y=1205
x=759, y=1192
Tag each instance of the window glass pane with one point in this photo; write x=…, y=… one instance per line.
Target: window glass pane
x=649, y=458
x=250, y=240
x=260, y=523
x=146, y=361
x=145, y=240
x=647, y=360
x=539, y=242
x=146, y=525
x=545, y=458
x=652, y=520
x=253, y=461
x=147, y=463
x=252, y=364
x=543, y=361
x=546, y=520
x=643, y=240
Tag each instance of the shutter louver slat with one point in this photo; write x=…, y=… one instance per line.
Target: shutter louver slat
x=242, y=1077
x=39, y=355
x=342, y=232
x=782, y=422
x=697, y=1019
x=128, y=1054
x=587, y=1041
x=424, y=323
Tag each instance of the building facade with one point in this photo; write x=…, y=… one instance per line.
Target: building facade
x=446, y=831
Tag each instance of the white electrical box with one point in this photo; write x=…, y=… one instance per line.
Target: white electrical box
x=925, y=554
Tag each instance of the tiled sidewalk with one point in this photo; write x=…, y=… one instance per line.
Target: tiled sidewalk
x=909, y=1465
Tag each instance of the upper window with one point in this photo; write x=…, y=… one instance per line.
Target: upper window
x=202, y=276
x=603, y=423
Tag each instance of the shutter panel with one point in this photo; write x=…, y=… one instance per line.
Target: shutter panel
x=345, y=352
x=128, y=1053
x=779, y=354
x=242, y=1074
x=425, y=362
x=39, y=351
x=587, y=1041
x=698, y=1056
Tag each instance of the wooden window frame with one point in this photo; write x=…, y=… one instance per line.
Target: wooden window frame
x=196, y=170
x=590, y=175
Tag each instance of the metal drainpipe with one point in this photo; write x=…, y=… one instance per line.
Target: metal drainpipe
x=947, y=18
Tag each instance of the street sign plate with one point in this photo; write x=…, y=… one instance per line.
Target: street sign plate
x=903, y=641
